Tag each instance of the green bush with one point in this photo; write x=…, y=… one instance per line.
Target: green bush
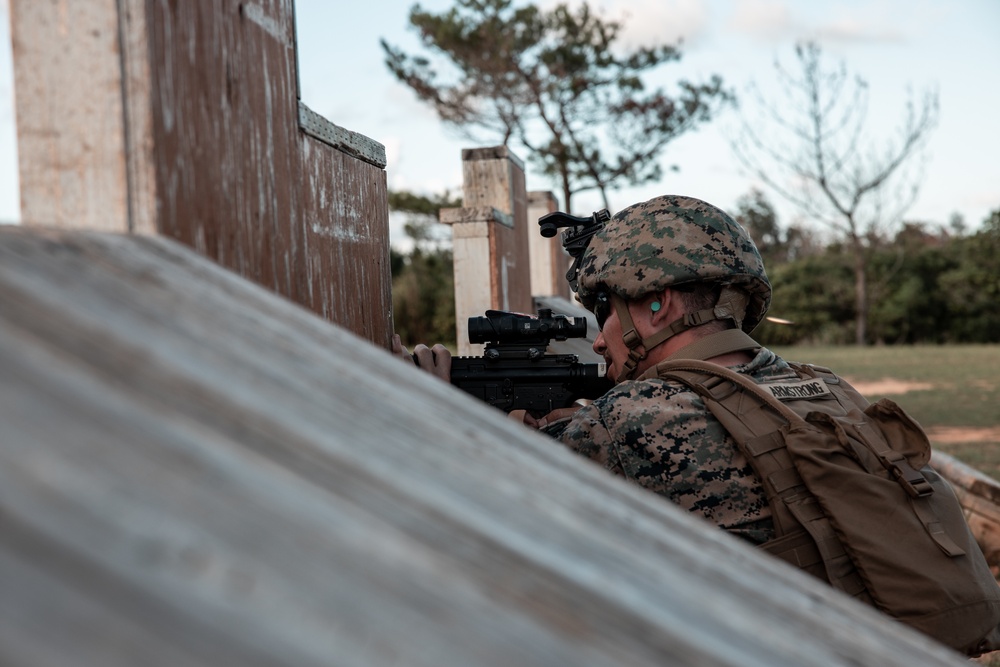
x=423, y=298
x=923, y=288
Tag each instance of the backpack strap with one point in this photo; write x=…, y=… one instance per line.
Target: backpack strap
x=755, y=419
x=754, y=425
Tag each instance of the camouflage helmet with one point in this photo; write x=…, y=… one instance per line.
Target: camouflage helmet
x=669, y=241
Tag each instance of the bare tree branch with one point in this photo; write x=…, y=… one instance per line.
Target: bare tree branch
x=810, y=146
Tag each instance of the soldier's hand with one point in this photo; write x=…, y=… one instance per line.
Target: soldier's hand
x=435, y=360
x=541, y=422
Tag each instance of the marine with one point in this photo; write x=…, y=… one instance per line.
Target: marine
x=661, y=275
x=676, y=279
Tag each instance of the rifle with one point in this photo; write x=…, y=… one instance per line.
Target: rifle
x=515, y=373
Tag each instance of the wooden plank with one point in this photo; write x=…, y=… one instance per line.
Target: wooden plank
x=980, y=498
x=343, y=272
x=194, y=471
x=354, y=144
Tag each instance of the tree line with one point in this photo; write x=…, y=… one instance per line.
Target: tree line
x=928, y=283
x=423, y=284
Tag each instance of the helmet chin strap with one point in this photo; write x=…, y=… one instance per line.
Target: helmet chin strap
x=731, y=305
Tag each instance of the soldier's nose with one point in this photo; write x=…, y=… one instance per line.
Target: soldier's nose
x=599, y=345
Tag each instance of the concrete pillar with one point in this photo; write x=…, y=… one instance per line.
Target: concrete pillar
x=490, y=239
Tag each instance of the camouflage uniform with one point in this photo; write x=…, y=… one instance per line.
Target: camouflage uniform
x=657, y=433
x=660, y=435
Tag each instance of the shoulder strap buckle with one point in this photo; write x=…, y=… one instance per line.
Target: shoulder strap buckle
x=915, y=484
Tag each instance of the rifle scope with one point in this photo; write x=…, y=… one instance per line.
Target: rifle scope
x=502, y=327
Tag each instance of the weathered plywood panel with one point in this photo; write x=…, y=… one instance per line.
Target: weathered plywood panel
x=182, y=119
x=244, y=185
x=194, y=471
x=226, y=148
x=71, y=146
x=345, y=228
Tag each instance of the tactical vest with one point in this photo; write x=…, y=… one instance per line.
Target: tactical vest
x=853, y=498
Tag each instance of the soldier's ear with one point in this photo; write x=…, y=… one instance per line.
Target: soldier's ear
x=659, y=305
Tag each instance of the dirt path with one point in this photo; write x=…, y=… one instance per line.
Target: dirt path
x=951, y=435
x=947, y=435
x=888, y=386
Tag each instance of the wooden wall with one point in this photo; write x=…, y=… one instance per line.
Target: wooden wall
x=192, y=474
x=182, y=119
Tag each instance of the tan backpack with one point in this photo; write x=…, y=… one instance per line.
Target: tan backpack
x=853, y=499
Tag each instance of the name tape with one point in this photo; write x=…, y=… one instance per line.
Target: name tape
x=806, y=389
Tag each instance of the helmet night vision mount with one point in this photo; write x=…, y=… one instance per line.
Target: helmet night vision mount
x=577, y=236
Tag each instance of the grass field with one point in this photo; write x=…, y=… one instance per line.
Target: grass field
x=952, y=390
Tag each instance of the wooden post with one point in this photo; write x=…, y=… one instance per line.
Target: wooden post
x=980, y=498
x=182, y=119
x=549, y=261
x=490, y=239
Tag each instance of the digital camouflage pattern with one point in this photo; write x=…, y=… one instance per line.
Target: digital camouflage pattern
x=660, y=435
x=672, y=240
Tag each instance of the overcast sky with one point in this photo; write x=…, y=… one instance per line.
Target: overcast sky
x=897, y=45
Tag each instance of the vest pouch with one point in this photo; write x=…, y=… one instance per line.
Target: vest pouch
x=855, y=479
x=899, y=521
